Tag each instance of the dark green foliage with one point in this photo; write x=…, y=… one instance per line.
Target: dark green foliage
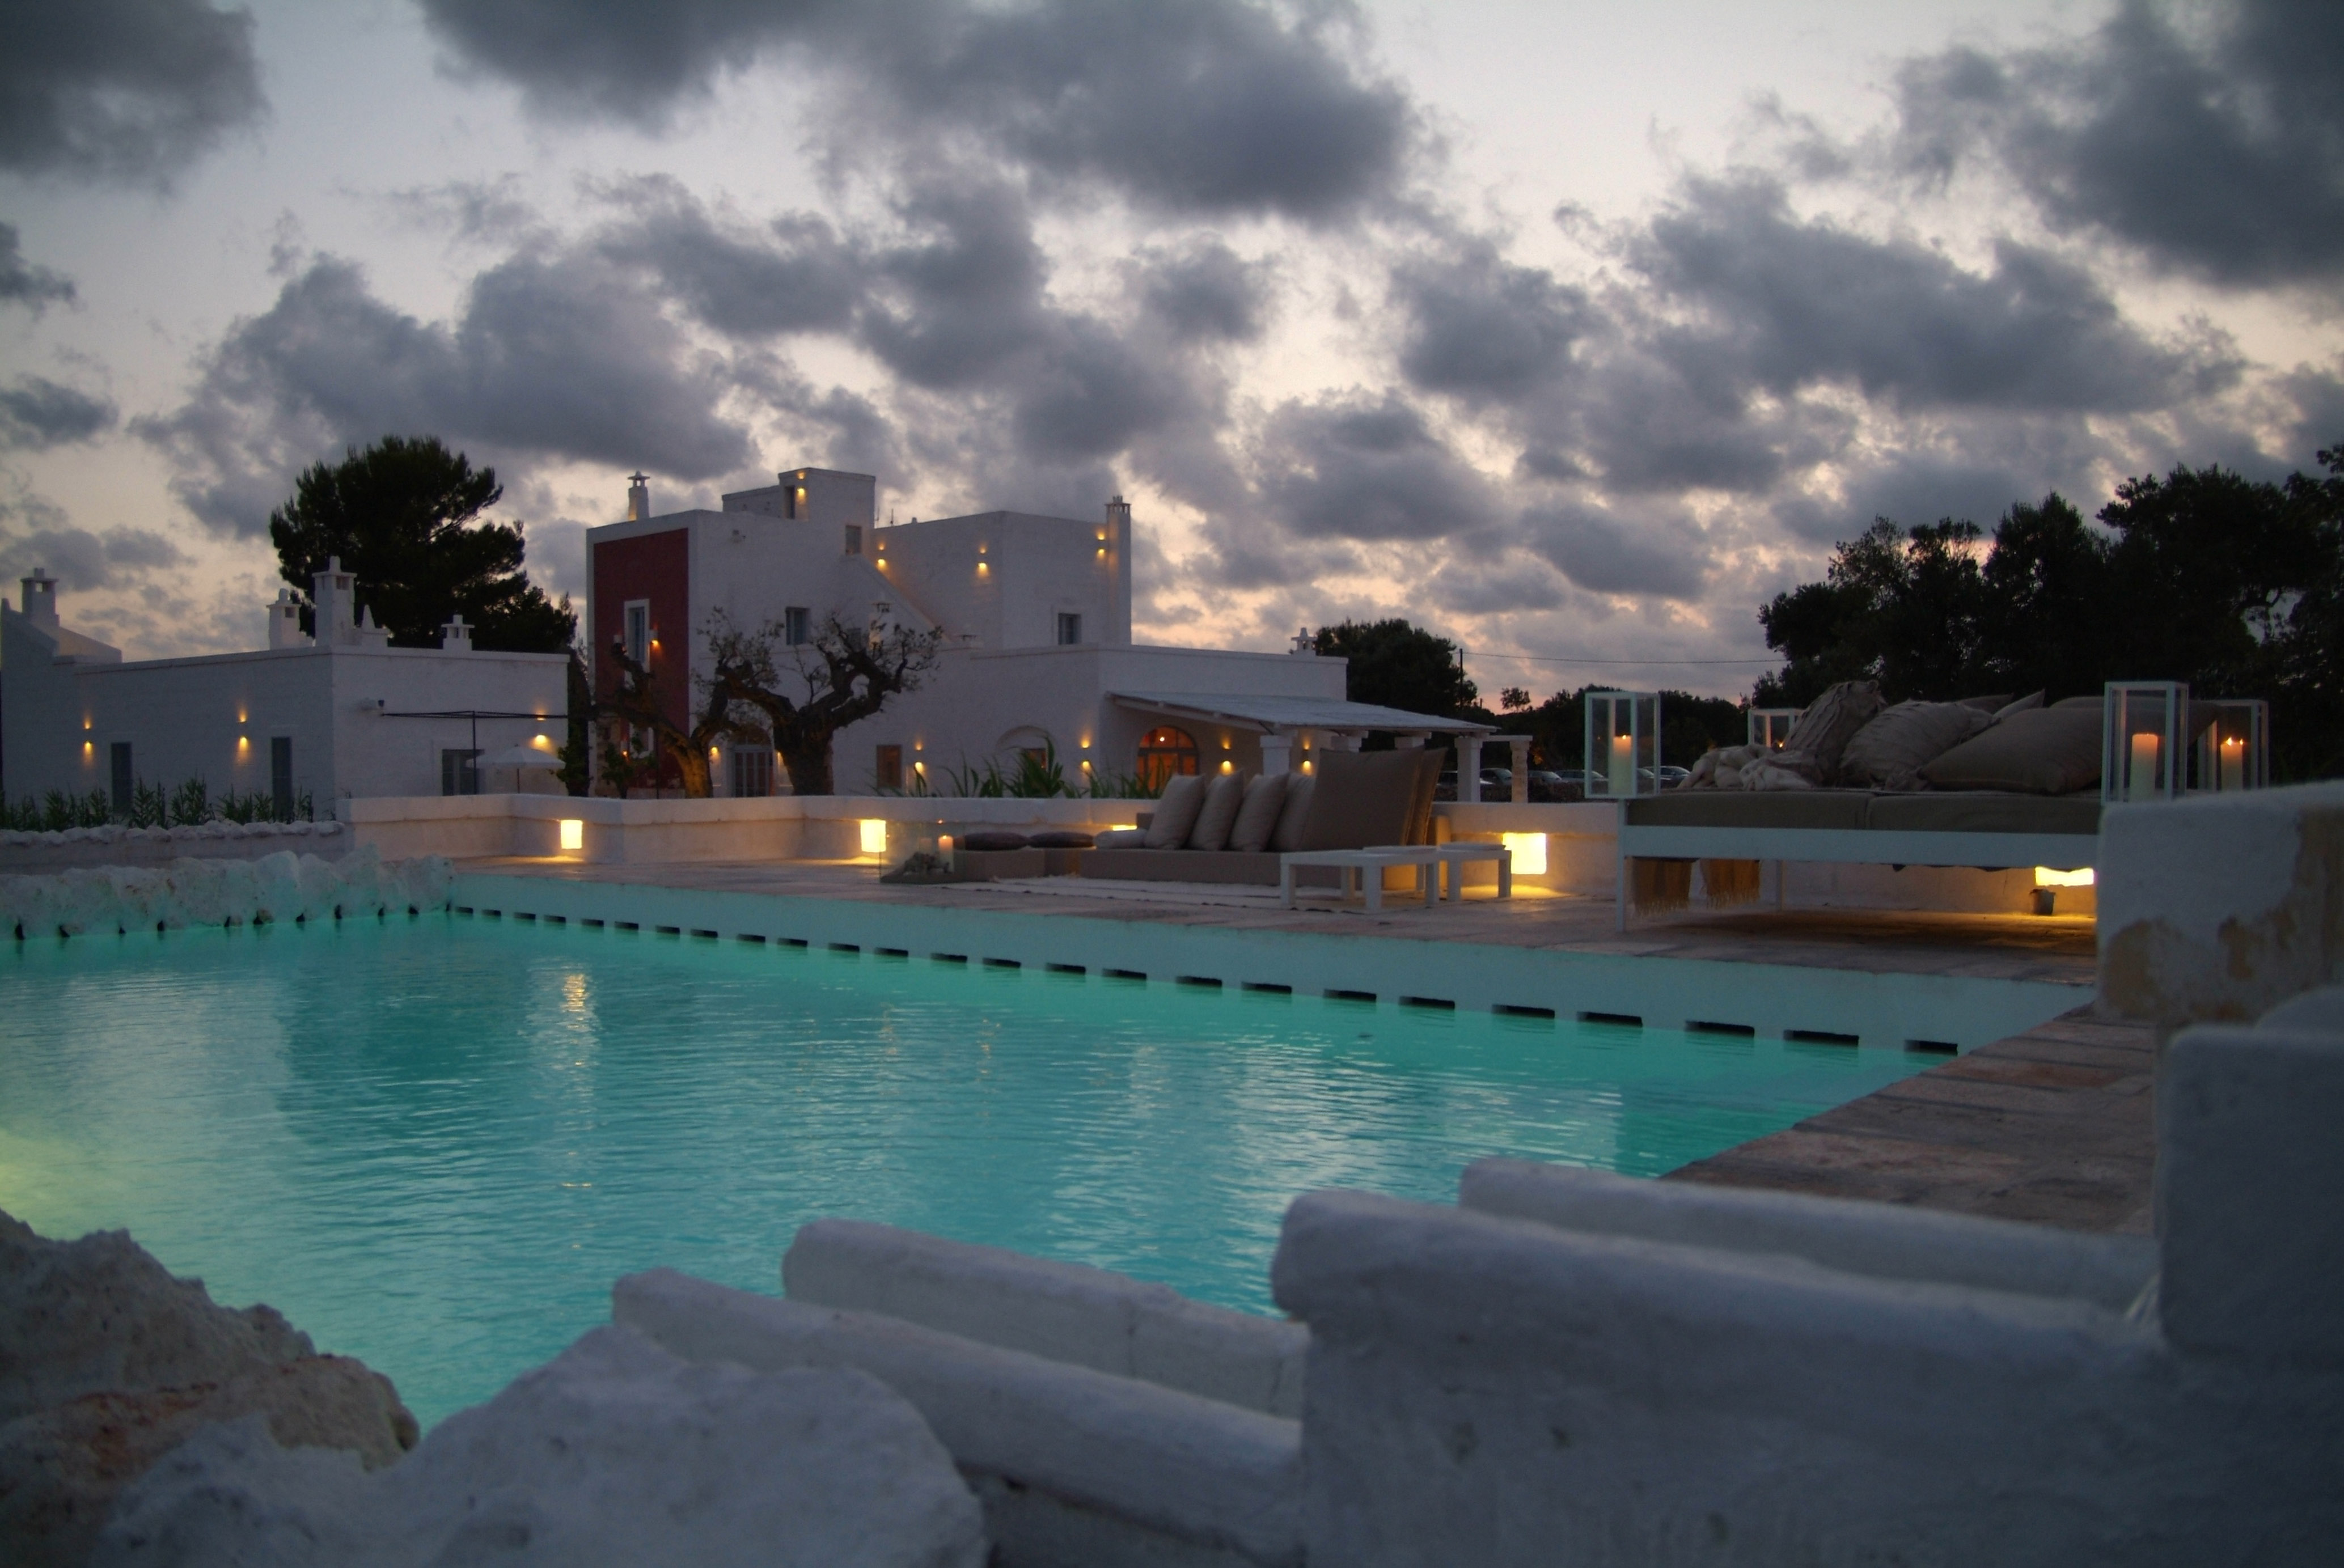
x=1397, y=664
x=578, y=754
x=1690, y=726
x=401, y=516
x=2232, y=584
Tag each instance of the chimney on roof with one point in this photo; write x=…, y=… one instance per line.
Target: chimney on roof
x=333, y=593
x=285, y=621
x=639, y=498
x=39, y=601
x=456, y=637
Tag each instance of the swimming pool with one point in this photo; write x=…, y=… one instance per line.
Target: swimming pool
x=434, y=1142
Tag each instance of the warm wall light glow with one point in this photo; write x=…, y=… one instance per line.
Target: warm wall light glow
x=574, y=833
x=542, y=743
x=875, y=835
x=711, y=754
x=1227, y=765
x=1530, y=852
x=2044, y=877
x=243, y=743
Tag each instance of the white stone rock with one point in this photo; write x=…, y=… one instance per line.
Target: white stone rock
x=615, y=1452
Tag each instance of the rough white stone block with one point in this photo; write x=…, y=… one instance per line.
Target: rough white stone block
x=1088, y=1317
x=1890, y=1243
x=1201, y=1473
x=2216, y=908
x=2250, y=1187
x=614, y=1454
x=1496, y=1392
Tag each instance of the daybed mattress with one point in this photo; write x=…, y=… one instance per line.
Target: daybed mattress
x=1963, y=811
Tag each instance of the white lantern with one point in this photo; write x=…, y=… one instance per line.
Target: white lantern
x=2144, y=725
x=2232, y=749
x=1624, y=744
x=1770, y=727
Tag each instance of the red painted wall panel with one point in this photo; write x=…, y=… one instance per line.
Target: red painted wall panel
x=658, y=567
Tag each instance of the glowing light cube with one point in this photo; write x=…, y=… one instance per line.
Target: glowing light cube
x=875, y=835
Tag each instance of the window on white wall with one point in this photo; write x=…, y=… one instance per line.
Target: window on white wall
x=797, y=626
x=1070, y=629
x=753, y=773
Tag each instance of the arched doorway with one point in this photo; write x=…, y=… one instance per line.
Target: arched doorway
x=1165, y=751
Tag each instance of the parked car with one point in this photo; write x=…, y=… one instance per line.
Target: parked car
x=1673, y=777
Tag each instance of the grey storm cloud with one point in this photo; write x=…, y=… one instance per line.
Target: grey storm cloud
x=22, y=282
x=793, y=274
x=1610, y=555
x=560, y=357
x=1205, y=292
x=125, y=90
x=38, y=414
x=2214, y=149
x=34, y=533
x=1359, y=467
x=1483, y=329
x=1215, y=106
x=1789, y=303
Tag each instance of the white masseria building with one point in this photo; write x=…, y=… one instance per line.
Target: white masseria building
x=343, y=714
x=1036, y=612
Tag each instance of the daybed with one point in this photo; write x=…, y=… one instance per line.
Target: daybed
x=1988, y=783
x=1228, y=830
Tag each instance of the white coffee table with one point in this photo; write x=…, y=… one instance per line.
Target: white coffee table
x=1426, y=858
x=1455, y=855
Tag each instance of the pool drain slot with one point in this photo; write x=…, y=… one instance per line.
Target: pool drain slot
x=1511, y=1010
x=1207, y=982
x=1002, y=964
x=1934, y=1047
x=1270, y=988
x=1710, y=1026
x=949, y=958
x=893, y=952
x=1616, y=1019
x=1125, y=974
x=752, y=937
x=1068, y=969
x=845, y=948
x=1820, y=1037
x=1366, y=995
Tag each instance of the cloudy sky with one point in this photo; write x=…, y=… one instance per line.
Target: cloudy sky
x=1573, y=331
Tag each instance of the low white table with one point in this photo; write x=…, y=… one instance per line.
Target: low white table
x=1425, y=858
x=1456, y=856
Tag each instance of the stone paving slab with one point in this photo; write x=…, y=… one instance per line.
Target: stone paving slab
x=2055, y=1126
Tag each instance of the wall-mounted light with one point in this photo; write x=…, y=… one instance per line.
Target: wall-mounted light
x=875, y=835
x=2044, y=877
x=711, y=754
x=1227, y=765
x=243, y=743
x=574, y=833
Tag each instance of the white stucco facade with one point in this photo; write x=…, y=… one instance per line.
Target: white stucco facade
x=343, y=716
x=1034, y=613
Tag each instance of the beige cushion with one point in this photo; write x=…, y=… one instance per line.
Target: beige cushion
x=2027, y=704
x=1831, y=721
x=1223, y=796
x=1890, y=752
x=2091, y=702
x=1364, y=797
x=1122, y=838
x=1294, y=815
x=1420, y=805
x=1989, y=704
x=1176, y=811
x=2042, y=751
x=1265, y=797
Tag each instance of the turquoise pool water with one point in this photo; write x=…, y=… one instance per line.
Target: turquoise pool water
x=434, y=1144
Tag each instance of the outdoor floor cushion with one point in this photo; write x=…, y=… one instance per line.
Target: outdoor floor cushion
x=1742, y=808
x=2050, y=750
x=1979, y=811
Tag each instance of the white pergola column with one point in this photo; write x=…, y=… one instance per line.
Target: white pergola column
x=1277, y=753
x=1468, y=768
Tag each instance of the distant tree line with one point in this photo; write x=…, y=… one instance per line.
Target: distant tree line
x=2233, y=584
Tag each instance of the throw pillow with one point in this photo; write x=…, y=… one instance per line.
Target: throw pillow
x=1223, y=796
x=2027, y=704
x=2042, y=751
x=993, y=838
x=1889, y=752
x=1265, y=797
x=1293, y=816
x=1176, y=811
x=1066, y=839
x=1824, y=730
x=1123, y=839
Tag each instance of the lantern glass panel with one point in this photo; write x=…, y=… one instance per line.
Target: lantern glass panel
x=2143, y=733
x=1624, y=744
x=2231, y=748
x=1770, y=727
